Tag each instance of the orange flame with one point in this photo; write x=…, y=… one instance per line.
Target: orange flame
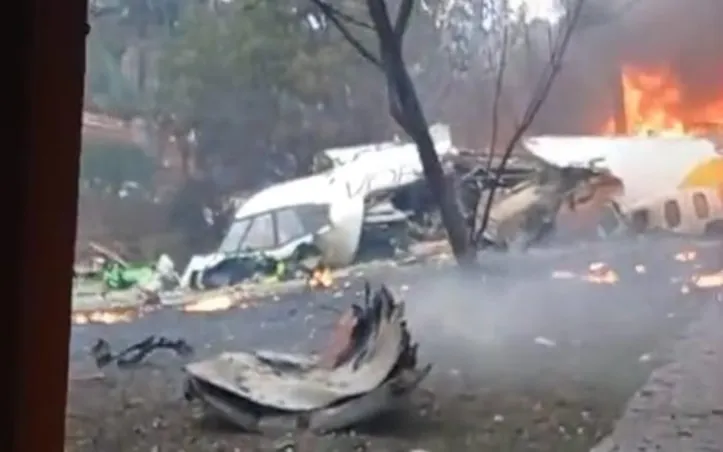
x=105, y=316
x=654, y=103
x=211, y=304
x=321, y=277
x=601, y=273
x=709, y=280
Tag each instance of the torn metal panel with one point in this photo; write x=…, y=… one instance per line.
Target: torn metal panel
x=526, y=213
x=368, y=368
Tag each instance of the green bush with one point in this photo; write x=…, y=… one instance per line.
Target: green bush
x=108, y=165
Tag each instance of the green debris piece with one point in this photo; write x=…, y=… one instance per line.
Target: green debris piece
x=118, y=277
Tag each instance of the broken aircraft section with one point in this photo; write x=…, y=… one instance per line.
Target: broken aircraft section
x=369, y=367
x=370, y=202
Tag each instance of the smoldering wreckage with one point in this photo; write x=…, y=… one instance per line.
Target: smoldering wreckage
x=368, y=367
x=372, y=201
x=375, y=194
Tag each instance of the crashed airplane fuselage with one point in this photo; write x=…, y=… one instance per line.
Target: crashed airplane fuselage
x=526, y=213
x=328, y=210
x=672, y=184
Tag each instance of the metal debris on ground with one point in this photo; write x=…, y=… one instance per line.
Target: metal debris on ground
x=134, y=354
x=369, y=367
x=104, y=275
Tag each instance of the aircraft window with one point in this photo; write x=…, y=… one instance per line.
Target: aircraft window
x=289, y=226
x=313, y=216
x=260, y=235
x=700, y=203
x=640, y=220
x=232, y=241
x=609, y=221
x=671, y=210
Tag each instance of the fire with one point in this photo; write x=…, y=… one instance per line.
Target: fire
x=106, y=316
x=597, y=273
x=321, y=277
x=216, y=300
x=210, y=304
x=654, y=103
x=709, y=281
x=601, y=273
x=686, y=256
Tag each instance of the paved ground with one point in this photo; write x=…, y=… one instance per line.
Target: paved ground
x=522, y=361
x=680, y=408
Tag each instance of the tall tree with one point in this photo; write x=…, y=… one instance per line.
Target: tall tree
x=404, y=104
x=465, y=19
x=262, y=86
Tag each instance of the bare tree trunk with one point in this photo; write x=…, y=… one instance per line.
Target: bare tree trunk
x=406, y=109
x=621, y=120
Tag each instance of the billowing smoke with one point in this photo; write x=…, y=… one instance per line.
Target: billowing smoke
x=683, y=37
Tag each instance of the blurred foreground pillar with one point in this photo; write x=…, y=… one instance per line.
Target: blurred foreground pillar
x=41, y=141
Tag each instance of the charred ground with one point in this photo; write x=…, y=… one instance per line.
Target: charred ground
x=522, y=361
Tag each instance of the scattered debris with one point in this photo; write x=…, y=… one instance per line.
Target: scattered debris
x=134, y=354
x=563, y=274
x=525, y=215
x=116, y=274
x=539, y=340
x=686, y=256
x=601, y=273
x=369, y=367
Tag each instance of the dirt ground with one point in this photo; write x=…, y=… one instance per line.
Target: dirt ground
x=524, y=365
x=148, y=415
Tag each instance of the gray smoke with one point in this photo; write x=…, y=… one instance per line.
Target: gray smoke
x=683, y=37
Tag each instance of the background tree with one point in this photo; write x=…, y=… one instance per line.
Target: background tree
x=250, y=90
x=476, y=33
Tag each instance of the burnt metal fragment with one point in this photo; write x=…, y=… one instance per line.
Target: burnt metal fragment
x=134, y=354
x=369, y=367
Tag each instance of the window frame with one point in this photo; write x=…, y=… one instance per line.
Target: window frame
x=242, y=236
x=678, y=213
x=644, y=214
x=701, y=206
x=251, y=225
x=275, y=226
x=276, y=213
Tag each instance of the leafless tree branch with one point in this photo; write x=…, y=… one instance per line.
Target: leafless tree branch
x=331, y=13
x=501, y=66
x=406, y=109
x=499, y=82
x=402, y=22
x=539, y=96
x=347, y=17
x=390, y=50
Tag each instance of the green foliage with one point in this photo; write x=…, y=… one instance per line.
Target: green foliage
x=105, y=86
x=107, y=165
x=262, y=48
x=263, y=85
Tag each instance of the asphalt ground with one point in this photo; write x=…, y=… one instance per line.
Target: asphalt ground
x=527, y=353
